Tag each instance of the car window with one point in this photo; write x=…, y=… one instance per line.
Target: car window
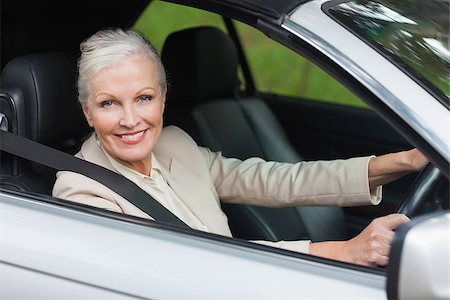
x=415, y=38
x=275, y=68
x=160, y=19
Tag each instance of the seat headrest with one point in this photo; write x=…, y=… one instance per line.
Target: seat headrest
x=201, y=65
x=44, y=86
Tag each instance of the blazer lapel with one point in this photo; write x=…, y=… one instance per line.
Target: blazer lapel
x=198, y=197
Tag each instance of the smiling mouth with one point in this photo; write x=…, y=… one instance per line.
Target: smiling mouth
x=132, y=137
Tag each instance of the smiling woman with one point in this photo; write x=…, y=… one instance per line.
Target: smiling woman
x=125, y=103
x=123, y=96
x=97, y=245
x=125, y=108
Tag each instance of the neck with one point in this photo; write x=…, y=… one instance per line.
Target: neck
x=143, y=167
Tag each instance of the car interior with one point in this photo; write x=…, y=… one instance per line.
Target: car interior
x=203, y=99
x=38, y=99
x=51, y=116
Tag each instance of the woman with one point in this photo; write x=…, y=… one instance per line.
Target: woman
x=122, y=88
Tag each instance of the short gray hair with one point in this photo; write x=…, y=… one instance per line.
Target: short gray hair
x=106, y=48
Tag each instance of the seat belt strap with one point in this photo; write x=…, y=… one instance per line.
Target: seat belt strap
x=62, y=161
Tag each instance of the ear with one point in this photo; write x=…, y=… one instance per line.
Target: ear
x=87, y=114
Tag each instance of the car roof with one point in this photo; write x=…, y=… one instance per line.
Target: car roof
x=265, y=9
x=47, y=25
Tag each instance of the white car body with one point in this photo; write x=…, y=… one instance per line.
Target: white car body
x=50, y=251
x=62, y=254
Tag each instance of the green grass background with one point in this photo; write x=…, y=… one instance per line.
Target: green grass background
x=275, y=68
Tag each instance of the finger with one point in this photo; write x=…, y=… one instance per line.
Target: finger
x=382, y=245
x=385, y=250
x=393, y=221
x=383, y=261
x=378, y=258
x=387, y=237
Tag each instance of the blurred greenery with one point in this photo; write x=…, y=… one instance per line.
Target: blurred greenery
x=275, y=68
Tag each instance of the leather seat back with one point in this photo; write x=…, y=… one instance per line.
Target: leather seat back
x=38, y=98
x=203, y=99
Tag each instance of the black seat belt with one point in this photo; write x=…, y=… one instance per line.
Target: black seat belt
x=62, y=161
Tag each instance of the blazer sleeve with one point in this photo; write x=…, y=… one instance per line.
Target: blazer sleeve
x=273, y=184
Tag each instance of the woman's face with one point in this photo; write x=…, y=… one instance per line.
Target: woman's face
x=125, y=107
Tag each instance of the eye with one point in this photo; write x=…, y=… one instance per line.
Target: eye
x=107, y=103
x=145, y=98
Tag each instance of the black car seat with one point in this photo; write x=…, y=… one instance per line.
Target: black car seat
x=38, y=100
x=201, y=64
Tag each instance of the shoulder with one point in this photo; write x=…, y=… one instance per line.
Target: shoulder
x=173, y=135
x=175, y=142
x=69, y=184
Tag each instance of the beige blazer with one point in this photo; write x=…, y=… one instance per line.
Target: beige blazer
x=202, y=179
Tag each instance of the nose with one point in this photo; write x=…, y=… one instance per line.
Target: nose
x=130, y=117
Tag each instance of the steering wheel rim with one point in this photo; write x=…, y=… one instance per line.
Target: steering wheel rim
x=417, y=193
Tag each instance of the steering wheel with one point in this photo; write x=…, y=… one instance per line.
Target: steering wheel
x=427, y=187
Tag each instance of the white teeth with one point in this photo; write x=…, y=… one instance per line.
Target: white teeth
x=133, y=136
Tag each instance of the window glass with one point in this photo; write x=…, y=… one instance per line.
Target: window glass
x=275, y=68
x=413, y=36
x=160, y=19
